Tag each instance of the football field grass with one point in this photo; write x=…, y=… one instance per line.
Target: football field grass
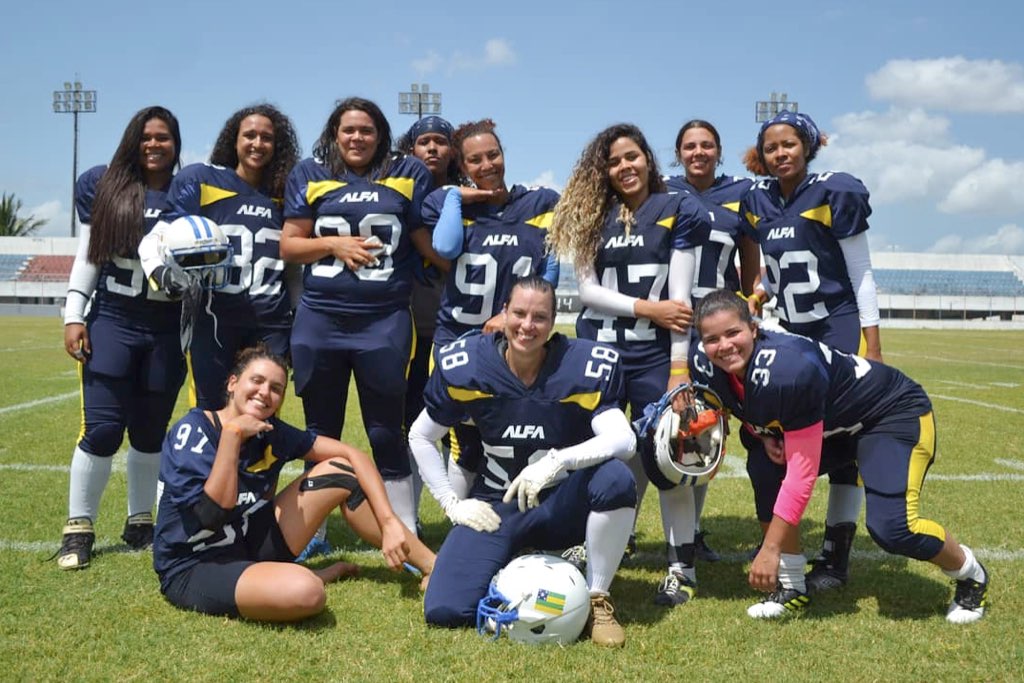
x=109, y=622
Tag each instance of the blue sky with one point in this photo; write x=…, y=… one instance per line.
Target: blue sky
x=924, y=100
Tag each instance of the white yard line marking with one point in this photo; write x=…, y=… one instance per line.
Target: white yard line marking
x=38, y=402
x=961, y=361
x=962, y=384
x=993, y=406
x=17, y=349
x=1012, y=464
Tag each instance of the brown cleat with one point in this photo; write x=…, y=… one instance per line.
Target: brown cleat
x=602, y=627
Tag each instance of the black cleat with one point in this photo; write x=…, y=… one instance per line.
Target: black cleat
x=138, y=531
x=76, y=545
x=675, y=589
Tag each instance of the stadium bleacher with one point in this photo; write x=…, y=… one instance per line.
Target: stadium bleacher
x=11, y=266
x=948, y=282
x=47, y=268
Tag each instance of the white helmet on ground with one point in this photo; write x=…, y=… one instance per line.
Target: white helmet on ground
x=198, y=247
x=683, y=449
x=536, y=599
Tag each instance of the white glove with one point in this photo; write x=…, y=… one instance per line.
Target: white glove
x=532, y=480
x=476, y=514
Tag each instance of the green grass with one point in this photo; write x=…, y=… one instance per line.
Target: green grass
x=110, y=622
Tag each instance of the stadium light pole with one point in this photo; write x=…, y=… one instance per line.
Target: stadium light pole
x=419, y=101
x=765, y=110
x=74, y=100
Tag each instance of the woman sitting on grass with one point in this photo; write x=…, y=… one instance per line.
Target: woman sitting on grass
x=225, y=544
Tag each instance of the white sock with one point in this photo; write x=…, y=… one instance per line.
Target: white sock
x=791, y=571
x=637, y=468
x=417, y=488
x=844, y=503
x=89, y=476
x=700, y=494
x=607, y=533
x=460, y=478
x=400, y=494
x=971, y=568
x=142, y=470
x=677, y=514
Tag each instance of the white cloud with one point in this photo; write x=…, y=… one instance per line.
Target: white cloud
x=190, y=156
x=496, y=52
x=499, y=52
x=429, y=63
x=993, y=187
x=895, y=171
x=57, y=217
x=545, y=179
x=951, y=83
x=1008, y=239
x=905, y=125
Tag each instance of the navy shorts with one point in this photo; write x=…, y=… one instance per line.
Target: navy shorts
x=209, y=585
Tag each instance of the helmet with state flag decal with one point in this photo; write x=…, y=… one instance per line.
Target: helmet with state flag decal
x=536, y=599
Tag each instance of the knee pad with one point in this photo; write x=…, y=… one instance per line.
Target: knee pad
x=346, y=479
x=103, y=439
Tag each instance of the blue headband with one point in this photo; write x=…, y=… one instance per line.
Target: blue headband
x=802, y=122
x=430, y=124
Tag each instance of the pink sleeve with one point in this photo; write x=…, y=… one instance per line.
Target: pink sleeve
x=803, y=456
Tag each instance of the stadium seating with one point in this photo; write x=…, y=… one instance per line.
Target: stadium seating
x=11, y=266
x=948, y=282
x=47, y=268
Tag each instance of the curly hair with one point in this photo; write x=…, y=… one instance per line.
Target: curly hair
x=471, y=128
x=286, y=147
x=118, y=211
x=326, y=148
x=575, y=230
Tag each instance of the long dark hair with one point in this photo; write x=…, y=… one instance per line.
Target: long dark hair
x=118, y=211
x=326, y=147
x=286, y=147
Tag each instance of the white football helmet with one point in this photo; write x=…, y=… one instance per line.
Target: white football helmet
x=198, y=247
x=683, y=449
x=536, y=599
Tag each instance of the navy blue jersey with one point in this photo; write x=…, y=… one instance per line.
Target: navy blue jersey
x=122, y=291
x=188, y=454
x=519, y=424
x=387, y=207
x=716, y=258
x=793, y=382
x=499, y=245
x=252, y=221
x=800, y=242
x=636, y=264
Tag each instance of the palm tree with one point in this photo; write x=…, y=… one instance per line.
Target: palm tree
x=12, y=225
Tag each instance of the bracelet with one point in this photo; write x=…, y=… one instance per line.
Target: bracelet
x=675, y=372
x=233, y=428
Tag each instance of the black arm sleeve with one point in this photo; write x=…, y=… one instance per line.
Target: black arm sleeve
x=209, y=514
